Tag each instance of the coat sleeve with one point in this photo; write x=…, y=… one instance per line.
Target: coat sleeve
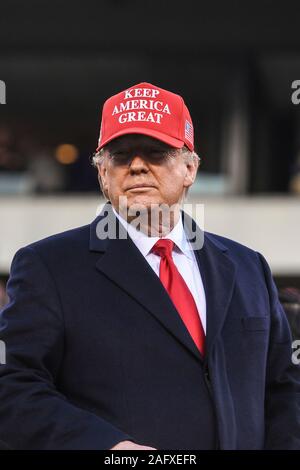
x=33, y=412
x=282, y=399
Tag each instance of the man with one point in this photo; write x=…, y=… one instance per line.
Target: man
x=140, y=331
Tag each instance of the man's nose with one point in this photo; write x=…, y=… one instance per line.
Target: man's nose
x=138, y=164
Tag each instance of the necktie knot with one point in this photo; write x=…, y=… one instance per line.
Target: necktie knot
x=163, y=248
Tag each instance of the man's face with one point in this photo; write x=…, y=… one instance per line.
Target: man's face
x=146, y=171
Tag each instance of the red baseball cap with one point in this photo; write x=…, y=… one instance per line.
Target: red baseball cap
x=149, y=110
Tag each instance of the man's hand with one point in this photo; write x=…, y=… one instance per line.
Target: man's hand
x=129, y=445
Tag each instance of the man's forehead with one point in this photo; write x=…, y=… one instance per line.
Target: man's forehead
x=137, y=139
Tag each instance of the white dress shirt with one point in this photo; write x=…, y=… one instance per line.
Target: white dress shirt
x=183, y=257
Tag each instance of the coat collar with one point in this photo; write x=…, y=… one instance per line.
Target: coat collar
x=123, y=263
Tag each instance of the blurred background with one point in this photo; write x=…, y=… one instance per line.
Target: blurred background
x=234, y=63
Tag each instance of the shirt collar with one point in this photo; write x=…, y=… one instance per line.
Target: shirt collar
x=145, y=243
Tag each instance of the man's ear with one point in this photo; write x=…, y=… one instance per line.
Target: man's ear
x=191, y=172
x=102, y=176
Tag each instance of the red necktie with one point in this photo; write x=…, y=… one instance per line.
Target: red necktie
x=179, y=292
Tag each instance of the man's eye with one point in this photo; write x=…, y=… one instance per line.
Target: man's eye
x=119, y=158
x=159, y=154
x=119, y=152
x=156, y=150
x=120, y=155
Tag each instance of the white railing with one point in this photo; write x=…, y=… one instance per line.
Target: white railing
x=270, y=225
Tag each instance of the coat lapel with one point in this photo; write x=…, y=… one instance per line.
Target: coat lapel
x=124, y=265
x=218, y=274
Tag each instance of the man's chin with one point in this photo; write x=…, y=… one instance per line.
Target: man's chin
x=136, y=208
x=142, y=203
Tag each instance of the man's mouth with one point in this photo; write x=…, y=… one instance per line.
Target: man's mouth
x=140, y=187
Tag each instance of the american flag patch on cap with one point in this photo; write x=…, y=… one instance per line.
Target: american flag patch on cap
x=188, y=131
